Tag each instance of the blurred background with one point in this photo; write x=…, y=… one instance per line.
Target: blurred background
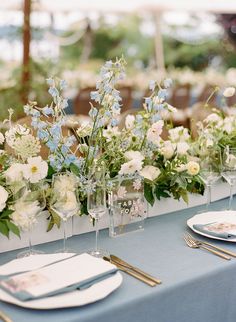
x=192, y=43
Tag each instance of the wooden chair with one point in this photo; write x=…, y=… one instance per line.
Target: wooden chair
x=181, y=96
x=81, y=102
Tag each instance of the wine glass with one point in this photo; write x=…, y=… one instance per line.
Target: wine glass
x=229, y=170
x=210, y=171
x=64, y=201
x=96, y=205
x=32, y=203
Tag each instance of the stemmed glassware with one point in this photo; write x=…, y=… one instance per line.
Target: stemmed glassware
x=96, y=205
x=32, y=203
x=64, y=201
x=210, y=171
x=229, y=170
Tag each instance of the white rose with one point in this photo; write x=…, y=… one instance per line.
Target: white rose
x=179, y=133
x=129, y=122
x=35, y=170
x=65, y=183
x=69, y=205
x=14, y=172
x=167, y=149
x=182, y=148
x=193, y=168
x=150, y=172
x=131, y=167
x=229, y=91
x=3, y=198
x=1, y=138
x=25, y=213
x=131, y=155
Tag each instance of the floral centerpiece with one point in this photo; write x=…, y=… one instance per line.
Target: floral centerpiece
x=167, y=166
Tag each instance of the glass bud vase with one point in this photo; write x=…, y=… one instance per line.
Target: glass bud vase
x=127, y=206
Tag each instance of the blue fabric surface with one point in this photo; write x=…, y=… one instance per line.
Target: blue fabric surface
x=197, y=286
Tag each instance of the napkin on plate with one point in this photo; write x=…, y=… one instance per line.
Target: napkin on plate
x=77, y=272
x=217, y=229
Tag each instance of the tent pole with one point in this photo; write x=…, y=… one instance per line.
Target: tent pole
x=26, y=51
x=159, y=51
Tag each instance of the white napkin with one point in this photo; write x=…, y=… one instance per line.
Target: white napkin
x=60, y=277
x=31, y=262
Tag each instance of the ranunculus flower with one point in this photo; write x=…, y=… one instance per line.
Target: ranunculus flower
x=150, y=172
x=153, y=134
x=193, y=168
x=129, y=122
x=25, y=213
x=131, y=155
x=182, y=148
x=229, y=91
x=167, y=150
x=131, y=167
x=3, y=198
x=35, y=170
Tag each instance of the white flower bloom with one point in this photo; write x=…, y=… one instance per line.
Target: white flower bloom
x=111, y=132
x=167, y=149
x=154, y=132
x=209, y=142
x=68, y=205
x=14, y=172
x=129, y=122
x=64, y=183
x=84, y=130
x=35, y=170
x=193, y=168
x=134, y=155
x=15, y=132
x=213, y=118
x=171, y=108
x=25, y=213
x=2, y=139
x=229, y=91
x=3, y=198
x=182, y=148
x=150, y=172
x=228, y=125
x=179, y=134
x=27, y=146
x=130, y=167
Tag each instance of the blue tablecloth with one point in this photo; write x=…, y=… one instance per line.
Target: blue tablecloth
x=197, y=286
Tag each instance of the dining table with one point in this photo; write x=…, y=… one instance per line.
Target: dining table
x=196, y=285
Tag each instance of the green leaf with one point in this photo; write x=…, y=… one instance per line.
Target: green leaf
x=54, y=219
x=148, y=194
x=6, y=213
x=4, y=230
x=74, y=169
x=13, y=228
x=184, y=195
x=50, y=172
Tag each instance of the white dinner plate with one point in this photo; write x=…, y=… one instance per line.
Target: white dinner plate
x=92, y=294
x=213, y=216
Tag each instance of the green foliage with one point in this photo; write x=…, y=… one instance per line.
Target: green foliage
x=6, y=224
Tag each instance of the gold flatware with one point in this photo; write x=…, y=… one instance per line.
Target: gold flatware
x=192, y=244
x=130, y=272
x=135, y=269
x=4, y=317
x=200, y=242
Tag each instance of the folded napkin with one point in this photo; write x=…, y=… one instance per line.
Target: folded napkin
x=76, y=272
x=217, y=229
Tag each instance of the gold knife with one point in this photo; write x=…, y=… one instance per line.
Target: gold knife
x=132, y=273
x=4, y=317
x=118, y=260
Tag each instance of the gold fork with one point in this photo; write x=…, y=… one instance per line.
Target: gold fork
x=193, y=244
x=200, y=242
x=4, y=317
